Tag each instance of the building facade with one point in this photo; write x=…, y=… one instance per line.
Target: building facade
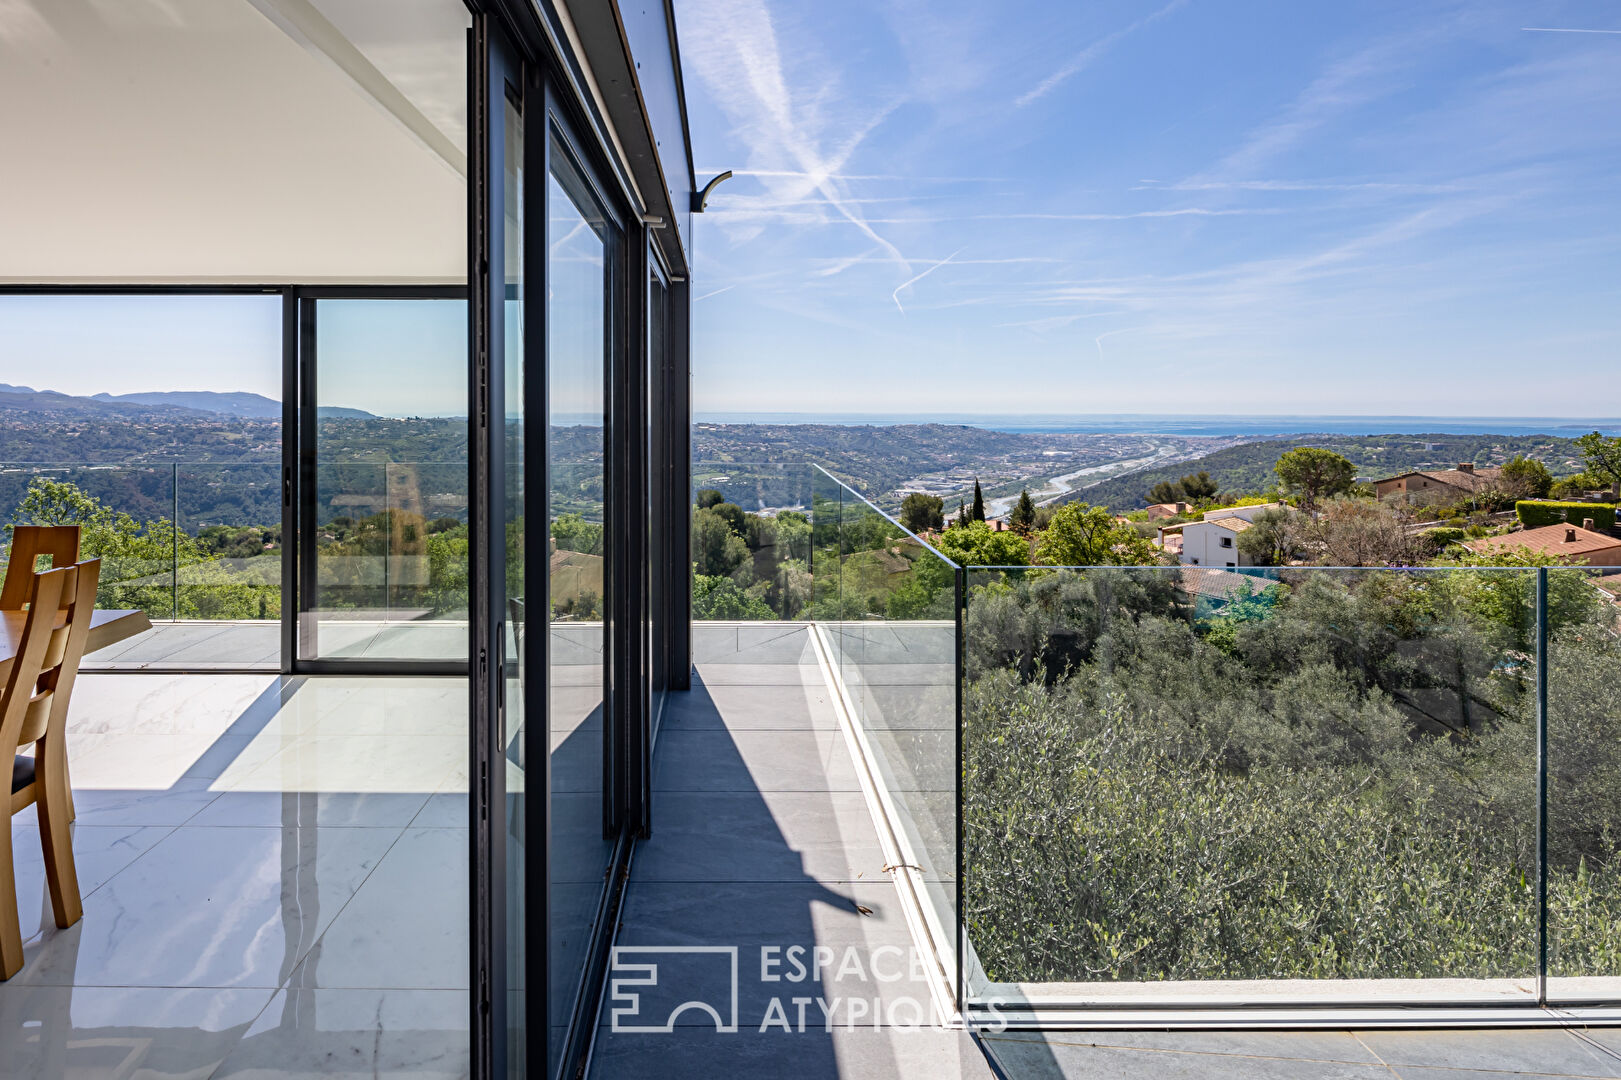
x=512, y=182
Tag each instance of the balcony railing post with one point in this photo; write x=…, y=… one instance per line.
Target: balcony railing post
x=960, y=585
x=174, y=543
x=1542, y=785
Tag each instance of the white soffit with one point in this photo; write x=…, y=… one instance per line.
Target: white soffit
x=217, y=141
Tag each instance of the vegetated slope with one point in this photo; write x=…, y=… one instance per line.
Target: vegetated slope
x=879, y=456
x=20, y=399
x=236, y=403
x=1248, y=468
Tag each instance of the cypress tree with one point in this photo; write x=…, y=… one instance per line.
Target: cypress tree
x=1023, y=518
x=978, y=513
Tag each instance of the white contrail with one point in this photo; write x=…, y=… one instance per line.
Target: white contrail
x=1565, y=30
x=896, y=295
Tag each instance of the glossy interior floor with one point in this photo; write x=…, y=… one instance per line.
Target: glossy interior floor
x=274, y=877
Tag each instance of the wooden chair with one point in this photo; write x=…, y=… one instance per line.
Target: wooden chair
x=34, y=710
x=28, y=543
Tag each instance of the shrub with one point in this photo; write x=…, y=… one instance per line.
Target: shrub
x=1535, y=513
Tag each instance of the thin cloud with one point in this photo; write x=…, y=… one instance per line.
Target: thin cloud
x=1084, y=59
x=1188, y=211
x=896, y=295
x=801, y=174
x=733, y=46
x=1345, y=85
x=1303, y=185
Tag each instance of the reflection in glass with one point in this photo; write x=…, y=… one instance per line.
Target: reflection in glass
x=577, y=334
x=511, y=521
x=390, y=513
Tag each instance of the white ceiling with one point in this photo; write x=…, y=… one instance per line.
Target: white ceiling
x=309, y=141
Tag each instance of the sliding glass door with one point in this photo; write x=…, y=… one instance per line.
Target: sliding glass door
x=579, y=274
x=384, y=507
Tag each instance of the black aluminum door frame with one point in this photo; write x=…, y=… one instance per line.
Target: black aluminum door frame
x=494, y=72
x=553, y=112
x=300, y=373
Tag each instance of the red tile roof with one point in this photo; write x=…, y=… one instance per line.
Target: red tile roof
x=1571, y=540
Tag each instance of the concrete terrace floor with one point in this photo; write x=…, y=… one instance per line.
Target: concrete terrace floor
x=762, y=842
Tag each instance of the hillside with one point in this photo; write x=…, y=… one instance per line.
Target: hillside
x=1248, y=468
x=239, y=403
x=942, y=459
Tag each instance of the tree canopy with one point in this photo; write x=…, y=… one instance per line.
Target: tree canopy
x=1082, y=535
x=1314, y=473
x=923, y=513
x=1601, y=458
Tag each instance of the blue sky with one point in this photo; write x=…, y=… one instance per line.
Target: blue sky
x=1194, y=206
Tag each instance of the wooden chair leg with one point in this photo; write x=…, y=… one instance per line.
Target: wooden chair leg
x=55, y=810
x=11, y=935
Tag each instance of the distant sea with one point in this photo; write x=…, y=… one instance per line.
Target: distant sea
x=1193, y=424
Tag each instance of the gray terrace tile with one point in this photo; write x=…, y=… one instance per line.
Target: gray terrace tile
x=751, y=708
x=768, y=836
x=1305, y=1045
x=678, y=913
x=816, y=1054
x=773, y=674
x=717, y=761
x=1508, y=1049
x=1069, y=1056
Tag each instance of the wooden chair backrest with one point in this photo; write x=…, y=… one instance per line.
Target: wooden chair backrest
x=47, y=662
x=28, y=543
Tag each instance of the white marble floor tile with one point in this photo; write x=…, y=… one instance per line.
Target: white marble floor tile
x=168, y=704
x=406, y=927
x=135, y=760
x=305, y=1033
x=355, y=763
x=174, y=805
x=446, y=808
x=149, y=1033
x=376, y=809
x=221, y=907
x=99, y=852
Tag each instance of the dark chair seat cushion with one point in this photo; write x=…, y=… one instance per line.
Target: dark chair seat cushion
x=22, y=773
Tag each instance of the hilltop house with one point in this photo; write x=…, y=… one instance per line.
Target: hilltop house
x=1212, y=541
x=1567, y=542
x=1170, y=509
x=1439, y=485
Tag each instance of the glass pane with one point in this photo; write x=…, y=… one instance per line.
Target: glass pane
x=511, y=519
x=1584, y=786
x=576, y=338
x=655, y=527
x=751, y=538
x=390, y=498
x=1195, y=786
x=160, y=435
x=895, y=651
